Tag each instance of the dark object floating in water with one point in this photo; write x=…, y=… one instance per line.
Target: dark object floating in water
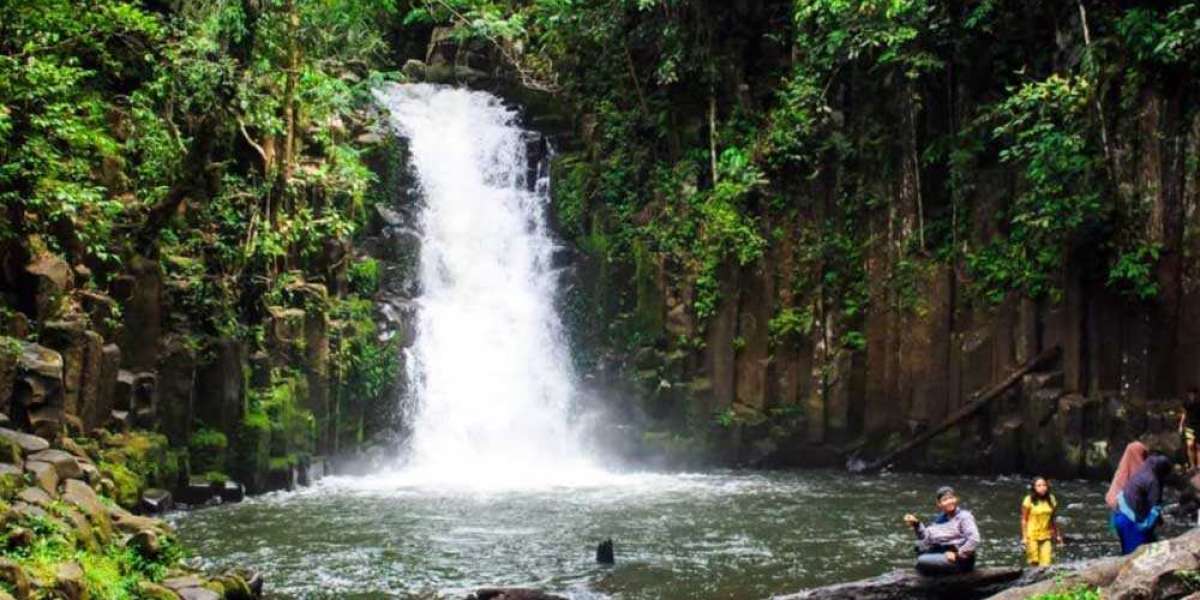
x=512, y=594
x=604, y=553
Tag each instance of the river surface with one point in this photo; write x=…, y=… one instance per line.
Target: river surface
x=714, y=535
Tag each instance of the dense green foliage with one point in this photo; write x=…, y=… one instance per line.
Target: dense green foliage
x=715, y=130
x=217, y=140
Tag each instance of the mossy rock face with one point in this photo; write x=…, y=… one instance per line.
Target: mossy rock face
x=252, y=451
x=234, y=587
x=10, y=452
x=153, y=591
x=121, y=484
x=207, y=451
x=136, y=460
x=14, y=577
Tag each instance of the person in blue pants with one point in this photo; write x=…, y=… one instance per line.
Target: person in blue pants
x=1139, y=505
x=947, y=545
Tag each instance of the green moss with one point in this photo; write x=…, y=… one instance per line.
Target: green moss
x=10, y=452
x=280, y=463
x=235, y=587
x=292, y=427
x=206, y=450
x=128, y=483
x=570, y=178
x=216, y=477
x=113, y=572
x=252, y=446
x=11, y=484
x=1077, y=593
x=649, y=313
x=363, y=276
x=10, y=347
x=597, y=242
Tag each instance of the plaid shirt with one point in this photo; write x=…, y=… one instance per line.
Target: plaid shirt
x=957, y=531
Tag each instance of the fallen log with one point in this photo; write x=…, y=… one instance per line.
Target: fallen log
x=907, y=584
x=962, y=413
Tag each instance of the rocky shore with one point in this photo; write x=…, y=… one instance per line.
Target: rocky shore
x=1167, y=569
x=67, y=529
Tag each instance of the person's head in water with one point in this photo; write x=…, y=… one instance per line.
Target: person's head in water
x=947, y=500
x=1039, y=490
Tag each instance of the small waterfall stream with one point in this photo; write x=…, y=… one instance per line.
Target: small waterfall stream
x=489, y=372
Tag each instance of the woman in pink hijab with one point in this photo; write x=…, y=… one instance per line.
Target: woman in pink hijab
x=1135, y=455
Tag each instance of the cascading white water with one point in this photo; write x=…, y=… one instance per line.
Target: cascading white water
x=489, y=372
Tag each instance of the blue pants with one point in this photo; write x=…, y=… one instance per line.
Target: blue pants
x=933, y=562
x=1131, y=537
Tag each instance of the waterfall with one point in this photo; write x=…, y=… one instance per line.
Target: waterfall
x=490, y=379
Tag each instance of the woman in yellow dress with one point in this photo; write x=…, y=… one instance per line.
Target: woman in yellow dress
x=1038, y=526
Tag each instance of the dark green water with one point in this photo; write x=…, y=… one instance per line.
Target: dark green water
x=716, y=535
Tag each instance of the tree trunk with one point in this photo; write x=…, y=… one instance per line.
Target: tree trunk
x=966, y=411
x=289, y=92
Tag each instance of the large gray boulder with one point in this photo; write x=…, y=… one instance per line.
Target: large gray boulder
x=29, y=443
x=66, y=465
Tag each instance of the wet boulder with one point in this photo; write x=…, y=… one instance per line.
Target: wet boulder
x=155, y=501
x=200, y=492
x=232, y=491
x=231, y=586
x=253, y=579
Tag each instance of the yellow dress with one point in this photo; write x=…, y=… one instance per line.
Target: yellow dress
x=1039, y=530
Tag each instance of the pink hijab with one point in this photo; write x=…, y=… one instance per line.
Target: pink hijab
x=1135, y=455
